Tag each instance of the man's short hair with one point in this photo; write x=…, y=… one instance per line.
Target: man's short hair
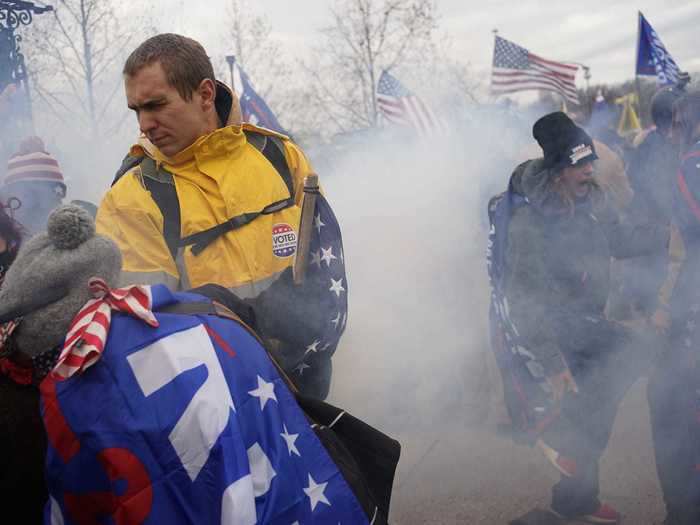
x=183, y=59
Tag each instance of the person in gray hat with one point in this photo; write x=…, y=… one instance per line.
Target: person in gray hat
x=42, y=290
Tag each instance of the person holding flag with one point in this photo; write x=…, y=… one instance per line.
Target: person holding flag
x=205, y=199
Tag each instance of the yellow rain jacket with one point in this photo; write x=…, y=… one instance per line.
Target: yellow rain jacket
x=218, y=177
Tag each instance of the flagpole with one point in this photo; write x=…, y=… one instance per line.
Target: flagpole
x=495, y=34
x=231, y=60
x=636, y=57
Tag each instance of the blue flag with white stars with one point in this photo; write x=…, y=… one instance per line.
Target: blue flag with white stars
x=652, y=57
x=326, y=273
x=187, y=423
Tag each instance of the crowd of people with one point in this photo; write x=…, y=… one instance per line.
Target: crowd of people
x=591, y=293
x=592, y=263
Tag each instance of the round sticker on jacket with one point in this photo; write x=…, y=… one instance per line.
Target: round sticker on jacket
x=284, y=240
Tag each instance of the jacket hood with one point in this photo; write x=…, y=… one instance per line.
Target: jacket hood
x=536, y=182
x=533, y=180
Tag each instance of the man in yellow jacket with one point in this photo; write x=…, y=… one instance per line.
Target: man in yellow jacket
x=237, y=189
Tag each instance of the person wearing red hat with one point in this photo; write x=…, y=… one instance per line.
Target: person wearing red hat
x=35, y=180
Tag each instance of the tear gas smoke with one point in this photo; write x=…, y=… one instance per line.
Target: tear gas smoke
x=415, y=360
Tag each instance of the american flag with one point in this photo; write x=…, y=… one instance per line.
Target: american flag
x=399, y=106
x=87, y=334
x=516, y=69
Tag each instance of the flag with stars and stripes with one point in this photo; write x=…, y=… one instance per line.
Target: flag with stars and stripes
x=652, y=57
x=516, y=69
x=399, y=106
x=190, y=422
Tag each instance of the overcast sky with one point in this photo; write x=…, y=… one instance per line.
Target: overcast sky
x=598, y=33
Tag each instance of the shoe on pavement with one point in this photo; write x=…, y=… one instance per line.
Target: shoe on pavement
x=604, y=514
x=565, y=465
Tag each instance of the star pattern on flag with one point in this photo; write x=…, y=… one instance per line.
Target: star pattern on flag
x=315, y=492
x=510, y=56
x=326, y=273
x=264, y=392
x=318, y=224
x=290, y=440
x=302, y=366
x=313, y=347
x=327, y=256
x=337, y=286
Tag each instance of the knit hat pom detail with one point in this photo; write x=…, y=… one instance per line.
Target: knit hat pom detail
x=69, y=226
x=31, y=145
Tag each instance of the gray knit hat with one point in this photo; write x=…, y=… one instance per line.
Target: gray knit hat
x=48, y=282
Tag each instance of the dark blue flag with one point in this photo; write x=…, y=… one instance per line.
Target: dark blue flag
x=188, y=422
x=255, y=110
x=526, y=391
x=652, y=57
x=325, y=274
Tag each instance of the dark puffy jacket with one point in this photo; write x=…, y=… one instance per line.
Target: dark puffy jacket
x=558, y=261
x=652, y=170
x=687, y=219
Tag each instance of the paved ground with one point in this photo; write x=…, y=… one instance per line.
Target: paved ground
x=415, y=361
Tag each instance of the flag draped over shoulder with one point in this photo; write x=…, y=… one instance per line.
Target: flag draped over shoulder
x=399, y=106
x=652, y=57
x=326, y=275
x=255, y=110
x=516, y=69
x=526, y=393
x=190, y=422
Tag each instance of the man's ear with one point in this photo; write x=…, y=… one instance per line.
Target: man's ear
x=207, y=93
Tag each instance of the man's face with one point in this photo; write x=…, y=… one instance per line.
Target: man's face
x=170, y=122
x=577, y=179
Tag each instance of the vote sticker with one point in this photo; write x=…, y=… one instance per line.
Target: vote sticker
x=284, y=240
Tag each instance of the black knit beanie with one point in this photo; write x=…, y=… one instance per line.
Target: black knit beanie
x=563, y=142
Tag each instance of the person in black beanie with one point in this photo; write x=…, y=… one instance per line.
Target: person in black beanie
x=560, y=241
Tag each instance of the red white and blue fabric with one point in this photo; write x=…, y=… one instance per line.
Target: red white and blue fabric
x=516, y=69
x=87, y=334
x=526, y=393
x=186, y=422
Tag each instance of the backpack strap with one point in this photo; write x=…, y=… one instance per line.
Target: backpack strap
x=161, y=185
x=272, y=149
